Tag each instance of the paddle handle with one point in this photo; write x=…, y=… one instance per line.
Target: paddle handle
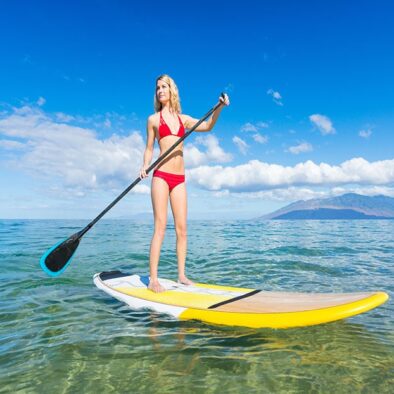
x=149, y=169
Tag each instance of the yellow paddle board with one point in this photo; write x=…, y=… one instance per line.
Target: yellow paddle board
x=234, y=306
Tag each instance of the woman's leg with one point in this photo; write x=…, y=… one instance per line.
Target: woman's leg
x=159, y=194
x=178, y=201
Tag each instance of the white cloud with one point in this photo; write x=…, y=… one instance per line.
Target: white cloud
x=41, y=101
x=61, y=117
x=366, y=191
x=74, y=156
x=249, y=127
x=221, y=194
x=323, y=123
x=276, y=96
x=262, y=125
x=365, y=133
x=254, y=127
x=256, y=175
x=229, y=88
x=108, y=121
x=11, y=145
x=294, y=193
x=282, y=194
x=261, y=139
x=214, y=153
x=241, y=144
x=141, y=189
x=301, y=148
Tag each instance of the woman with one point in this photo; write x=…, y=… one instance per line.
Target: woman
x=167, y=125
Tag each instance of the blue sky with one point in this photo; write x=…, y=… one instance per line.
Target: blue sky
x=311, y=115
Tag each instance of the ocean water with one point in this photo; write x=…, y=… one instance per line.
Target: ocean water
x=64, y=335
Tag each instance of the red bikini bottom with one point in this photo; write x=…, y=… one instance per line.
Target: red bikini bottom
x=172, y=180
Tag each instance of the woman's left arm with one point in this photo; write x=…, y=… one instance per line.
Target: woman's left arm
x=189, y=122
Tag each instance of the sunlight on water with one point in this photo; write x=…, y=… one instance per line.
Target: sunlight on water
x=64, y=335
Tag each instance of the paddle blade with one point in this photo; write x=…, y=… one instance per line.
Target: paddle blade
x=57, y=258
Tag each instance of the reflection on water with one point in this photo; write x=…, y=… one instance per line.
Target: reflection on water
x=64, y=335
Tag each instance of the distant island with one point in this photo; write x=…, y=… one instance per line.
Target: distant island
x=346, y=206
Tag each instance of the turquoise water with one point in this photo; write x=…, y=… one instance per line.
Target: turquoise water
x=64, y=335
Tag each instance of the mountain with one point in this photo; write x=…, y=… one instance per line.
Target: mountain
x=346, y=206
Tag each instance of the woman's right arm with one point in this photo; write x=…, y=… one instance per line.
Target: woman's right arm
x=150, y=142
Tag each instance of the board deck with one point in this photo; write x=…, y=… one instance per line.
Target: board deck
x=237, y=306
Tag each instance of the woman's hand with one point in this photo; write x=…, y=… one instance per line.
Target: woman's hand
x=143, y=173
x=224, y=99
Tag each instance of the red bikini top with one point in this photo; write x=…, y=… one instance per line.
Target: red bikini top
x=164, y=130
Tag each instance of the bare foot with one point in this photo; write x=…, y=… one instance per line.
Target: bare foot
x=185, y=281
x=156, y=287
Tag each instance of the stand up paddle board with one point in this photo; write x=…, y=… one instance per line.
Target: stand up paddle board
x=234, y=306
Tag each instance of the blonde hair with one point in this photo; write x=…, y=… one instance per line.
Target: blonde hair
x=175, y=101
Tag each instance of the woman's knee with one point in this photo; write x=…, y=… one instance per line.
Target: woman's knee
x=160, y=229
x=181, y=232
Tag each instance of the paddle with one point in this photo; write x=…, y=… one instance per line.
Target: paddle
x=57, y=258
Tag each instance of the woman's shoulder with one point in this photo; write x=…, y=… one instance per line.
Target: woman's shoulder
x=184, y=117
x=153, y=118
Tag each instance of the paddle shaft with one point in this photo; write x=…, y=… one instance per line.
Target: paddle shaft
x=150, y=168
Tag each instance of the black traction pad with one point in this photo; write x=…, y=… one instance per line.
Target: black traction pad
x=112, y=275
